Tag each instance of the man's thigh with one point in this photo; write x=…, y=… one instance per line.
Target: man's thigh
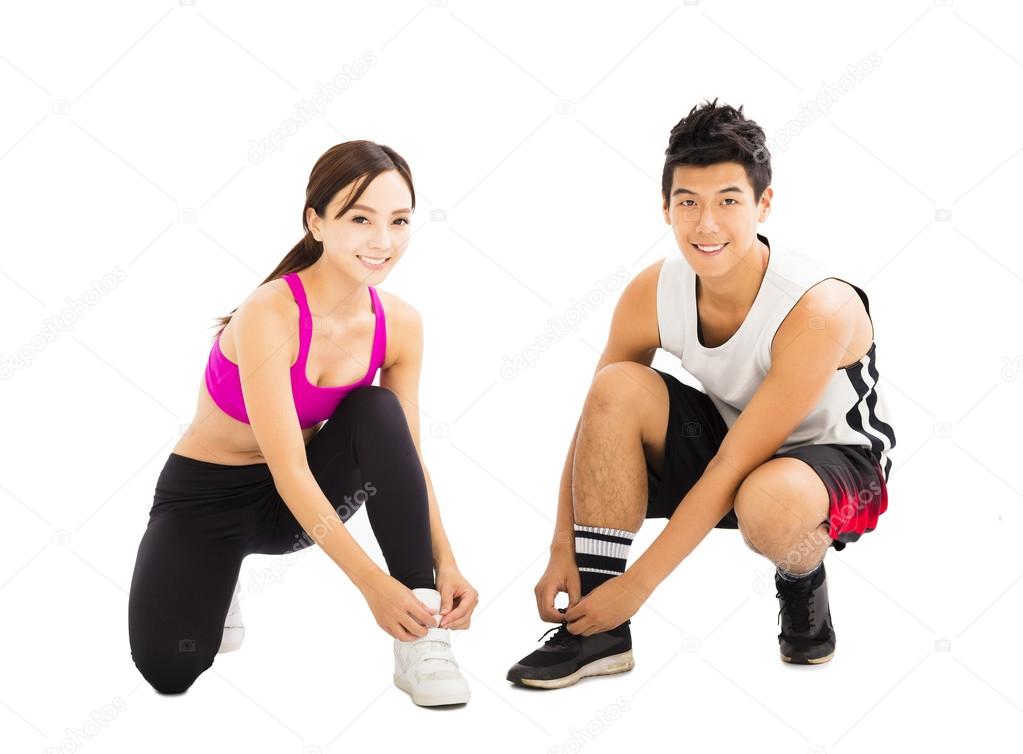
x=694, y=432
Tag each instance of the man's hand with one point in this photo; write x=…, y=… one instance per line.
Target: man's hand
x=561, y=575
x=609, y=605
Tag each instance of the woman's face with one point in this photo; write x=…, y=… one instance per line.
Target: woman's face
x=371, y=236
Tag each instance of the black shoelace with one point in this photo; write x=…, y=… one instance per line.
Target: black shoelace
x=563, y=637
x=799, y=604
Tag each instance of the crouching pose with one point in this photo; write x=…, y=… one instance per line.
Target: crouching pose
x=789, y=443
x=291, y=438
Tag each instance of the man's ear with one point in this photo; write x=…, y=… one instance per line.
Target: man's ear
x=765, y=203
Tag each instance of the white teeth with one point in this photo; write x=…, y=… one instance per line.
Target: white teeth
x=373, y=260
x=710, y=248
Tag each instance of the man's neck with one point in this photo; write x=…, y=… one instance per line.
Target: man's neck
x=732, y=295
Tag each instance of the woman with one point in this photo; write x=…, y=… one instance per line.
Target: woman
x=258, y=470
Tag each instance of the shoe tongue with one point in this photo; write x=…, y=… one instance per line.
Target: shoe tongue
x=429, y=597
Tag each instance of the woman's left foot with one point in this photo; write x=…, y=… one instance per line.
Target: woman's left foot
x=425, y=668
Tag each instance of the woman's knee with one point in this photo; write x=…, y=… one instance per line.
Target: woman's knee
x=372, y=400
x=173, y=669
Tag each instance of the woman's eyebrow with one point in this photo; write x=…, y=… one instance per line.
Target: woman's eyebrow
x=370, y=209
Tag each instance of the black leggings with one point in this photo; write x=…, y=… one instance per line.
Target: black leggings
x=206, y=517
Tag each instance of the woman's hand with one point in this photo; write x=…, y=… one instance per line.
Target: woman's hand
x=457, y=598
x=561, y=575
x=397, y=610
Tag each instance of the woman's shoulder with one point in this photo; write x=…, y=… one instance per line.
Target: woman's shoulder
x=397, y=310
x=274, y=296
x=404, y=327
x=271, y=300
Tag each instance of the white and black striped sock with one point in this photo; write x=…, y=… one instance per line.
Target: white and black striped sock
x=600, y=554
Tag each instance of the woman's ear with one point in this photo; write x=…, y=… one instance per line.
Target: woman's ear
x=312, y=220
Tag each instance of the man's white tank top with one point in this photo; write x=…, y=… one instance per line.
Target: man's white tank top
x=852, y=410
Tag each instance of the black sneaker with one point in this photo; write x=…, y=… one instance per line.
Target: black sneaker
x=807, y=636
x=567, y=657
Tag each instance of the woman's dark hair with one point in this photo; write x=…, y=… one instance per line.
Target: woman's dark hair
x=339, y=166
x=713, y=133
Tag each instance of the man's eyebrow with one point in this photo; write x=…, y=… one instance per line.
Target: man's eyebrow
x=682, y=190
x=364, y=208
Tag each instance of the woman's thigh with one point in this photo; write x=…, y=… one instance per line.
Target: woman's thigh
x=181, y=590
x=333, y=461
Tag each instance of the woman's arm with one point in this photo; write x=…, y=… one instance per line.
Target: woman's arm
x=261, y=337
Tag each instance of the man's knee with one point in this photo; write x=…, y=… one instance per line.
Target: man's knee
x=777, y=504
x=783, y=493
x=616, y=386
x=746, y=539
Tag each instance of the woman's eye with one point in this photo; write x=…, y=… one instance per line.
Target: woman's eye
x=402, y=220
x=357, y=218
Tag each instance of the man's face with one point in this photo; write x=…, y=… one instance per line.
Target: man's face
x=713, y=205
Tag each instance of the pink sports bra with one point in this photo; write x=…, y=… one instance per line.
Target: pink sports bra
x=312, y=403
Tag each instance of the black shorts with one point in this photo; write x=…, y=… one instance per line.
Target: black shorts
x=851, y=473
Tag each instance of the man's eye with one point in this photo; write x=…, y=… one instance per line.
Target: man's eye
x=683, y=202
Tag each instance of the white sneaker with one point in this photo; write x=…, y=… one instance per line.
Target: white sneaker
x=424, y=668
x=234, y=629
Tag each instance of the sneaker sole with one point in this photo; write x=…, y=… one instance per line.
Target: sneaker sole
x=434, y=700
x=619, y=663
x=232, y=639
x=808, y=661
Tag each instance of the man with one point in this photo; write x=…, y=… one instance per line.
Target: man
x=790, y=443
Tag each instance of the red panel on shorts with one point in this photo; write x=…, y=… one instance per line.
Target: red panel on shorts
x=856, y=505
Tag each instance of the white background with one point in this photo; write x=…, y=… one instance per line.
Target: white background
x=536, y=134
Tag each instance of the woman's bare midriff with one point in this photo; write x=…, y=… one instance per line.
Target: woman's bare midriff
x=215, y=437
